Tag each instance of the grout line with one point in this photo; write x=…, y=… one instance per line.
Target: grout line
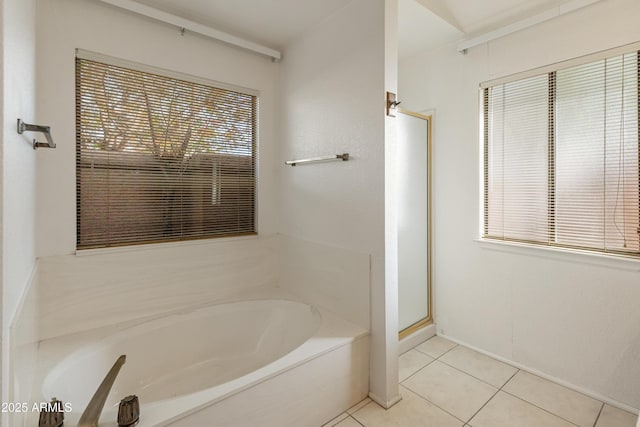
x=359, y=405
x=486, y=356
x=333, y=421
x=438, y=359
x=354, y=419
x=510, y=378
x=431, y=403
x=457, y=345
x=459, y=369
x=430, y=362
x=551, y=378
x=501, y=388
x=416, y=349
x=485, y=404
x=545, y=410
x=595, y=423
x=533, y=404
x=480, y=379
x=434, y=358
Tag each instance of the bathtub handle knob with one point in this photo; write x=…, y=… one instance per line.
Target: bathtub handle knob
x=129, y=411
x=52, y=415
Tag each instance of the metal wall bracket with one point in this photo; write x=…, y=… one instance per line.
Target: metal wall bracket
x=392, y=104
x=45, y=130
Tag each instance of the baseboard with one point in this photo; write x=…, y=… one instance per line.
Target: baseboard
x=556, y=380
x=386, y=404
x=418, y=337
x=404, y=345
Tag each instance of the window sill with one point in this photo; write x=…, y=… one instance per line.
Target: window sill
x=619, y=262
x=164, y=245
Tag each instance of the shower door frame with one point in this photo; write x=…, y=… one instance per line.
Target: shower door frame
x=429, y=319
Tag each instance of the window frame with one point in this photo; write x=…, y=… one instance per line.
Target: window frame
x=514, y=244
x=214, y=197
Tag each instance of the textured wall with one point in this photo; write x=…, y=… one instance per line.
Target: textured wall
x=18, y=171
x=332, y=86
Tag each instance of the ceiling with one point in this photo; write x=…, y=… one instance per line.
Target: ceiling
x=484, y=15
x=426, y=24
x=419, y=29
x=272, y=23
x=423, y=24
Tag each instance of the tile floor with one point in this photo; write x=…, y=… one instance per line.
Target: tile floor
x=444, y=384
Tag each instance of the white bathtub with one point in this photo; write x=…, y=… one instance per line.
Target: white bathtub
x=195, y=368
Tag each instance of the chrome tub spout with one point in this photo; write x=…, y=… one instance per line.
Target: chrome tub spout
x=91, y=415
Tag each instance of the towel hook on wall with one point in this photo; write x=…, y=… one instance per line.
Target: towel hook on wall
x=46, y=130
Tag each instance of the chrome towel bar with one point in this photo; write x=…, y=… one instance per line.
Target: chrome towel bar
x=344, y=157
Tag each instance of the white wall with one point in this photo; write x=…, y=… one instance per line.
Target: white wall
x=18, y=166
x=332, y=101
x=384, y=294
x=568, y=317
x=63, y=26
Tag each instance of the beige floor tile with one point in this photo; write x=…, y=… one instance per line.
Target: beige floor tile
x=505, y=410
x=614, y=417
x=480, y=366
x=336, y=420
x=436, y=346
x=456, y=392
x=411, y=362
x=568, y=404
x=358, y=405
x=411, y=411
x=348, y=422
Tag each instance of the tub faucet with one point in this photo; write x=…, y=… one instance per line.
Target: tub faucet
x=91, y=415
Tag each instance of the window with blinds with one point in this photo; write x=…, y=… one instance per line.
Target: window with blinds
x=561, y=157
x=161, y=159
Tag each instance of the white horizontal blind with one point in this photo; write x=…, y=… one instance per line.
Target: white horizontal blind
x=565, y=173
x=161, y=159
x=517, y=164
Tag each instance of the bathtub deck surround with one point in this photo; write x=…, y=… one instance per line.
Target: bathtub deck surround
x=326, y=276
x=277, y=351
x=153, y=280
x=100, y=288
x=165, y=283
